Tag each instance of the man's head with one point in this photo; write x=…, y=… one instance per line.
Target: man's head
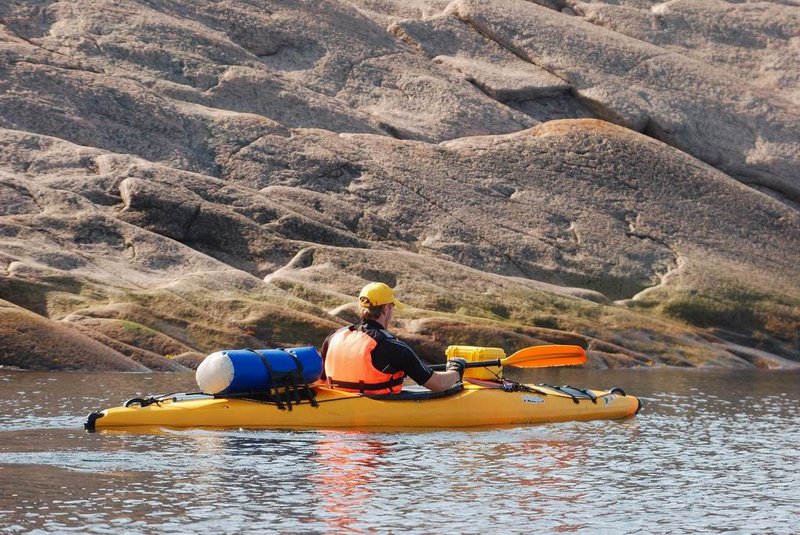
x=376, y=294
x=377, y=302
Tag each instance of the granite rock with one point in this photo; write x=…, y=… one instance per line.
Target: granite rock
x=181, y=177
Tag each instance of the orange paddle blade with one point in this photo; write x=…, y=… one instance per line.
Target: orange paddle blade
x=546, y=356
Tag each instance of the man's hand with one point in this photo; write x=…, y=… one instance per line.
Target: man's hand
x=458, y=364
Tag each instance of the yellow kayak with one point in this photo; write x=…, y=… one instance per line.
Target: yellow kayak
x=477, y=403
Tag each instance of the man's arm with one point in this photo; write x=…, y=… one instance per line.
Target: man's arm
x=406, y=360
x=440, y=381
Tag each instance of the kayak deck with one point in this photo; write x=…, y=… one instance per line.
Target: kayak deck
x=474, y=405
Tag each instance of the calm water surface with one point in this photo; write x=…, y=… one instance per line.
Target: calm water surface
x=712, y=451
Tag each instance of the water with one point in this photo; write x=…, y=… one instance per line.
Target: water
x=712, y=451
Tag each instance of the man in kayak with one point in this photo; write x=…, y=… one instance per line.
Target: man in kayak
x=367, y=358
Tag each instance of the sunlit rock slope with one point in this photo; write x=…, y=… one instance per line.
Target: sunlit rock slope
x=182, y=176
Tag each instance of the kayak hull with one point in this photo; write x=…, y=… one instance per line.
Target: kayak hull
x=473, y=406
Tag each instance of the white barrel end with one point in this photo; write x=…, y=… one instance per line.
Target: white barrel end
x=215, y=373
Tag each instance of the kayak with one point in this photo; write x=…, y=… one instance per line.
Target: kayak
x=476, y=403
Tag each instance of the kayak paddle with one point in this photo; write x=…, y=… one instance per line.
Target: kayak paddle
x=533, y=357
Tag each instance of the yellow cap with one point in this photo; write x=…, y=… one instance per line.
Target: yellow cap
x=376, y=294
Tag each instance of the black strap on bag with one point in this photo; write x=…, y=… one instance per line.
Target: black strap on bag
x=294, y=378
x=299, y=378
x=272, y=387
x=284, y=387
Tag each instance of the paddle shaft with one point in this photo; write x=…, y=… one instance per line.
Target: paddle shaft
x=477, y=364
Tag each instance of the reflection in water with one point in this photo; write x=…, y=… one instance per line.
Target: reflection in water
x=346, y=471
x=712, y=451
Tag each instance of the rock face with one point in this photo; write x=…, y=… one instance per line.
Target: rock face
x=180, y=177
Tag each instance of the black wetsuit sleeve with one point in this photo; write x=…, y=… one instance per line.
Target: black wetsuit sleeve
x=391, y=356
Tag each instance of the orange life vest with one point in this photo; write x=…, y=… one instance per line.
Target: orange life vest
x=348, y=364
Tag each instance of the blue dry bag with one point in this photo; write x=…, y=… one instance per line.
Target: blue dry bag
x=239, y=371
